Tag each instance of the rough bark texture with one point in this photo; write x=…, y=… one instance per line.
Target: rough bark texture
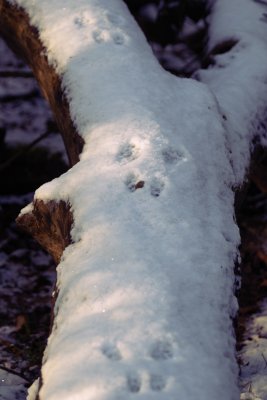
x=24, y=40
x=50, y=224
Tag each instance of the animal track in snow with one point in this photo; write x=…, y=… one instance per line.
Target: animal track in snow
x=111, y=351
x=127, y=152
x=156, y=187
x=99, y=36
x=133, y=183
x=79, y=22
x=172, y=155
x=105, y=35
x=118, y=38
x=157, y=382
x=161, y=350
x=133, y=382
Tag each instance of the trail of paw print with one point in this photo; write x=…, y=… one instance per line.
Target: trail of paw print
x=129, y=152
x=133, y=183
x=81, y=21
x=105, y=35
x=161, y=351
x=173, y=156
x=156, y=187
x=111, y=351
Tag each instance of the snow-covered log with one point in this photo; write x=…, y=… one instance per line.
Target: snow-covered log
x=146, y=289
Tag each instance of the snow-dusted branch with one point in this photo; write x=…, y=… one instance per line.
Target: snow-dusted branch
x=146, y=289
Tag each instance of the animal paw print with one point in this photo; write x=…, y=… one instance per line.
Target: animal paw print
x=104, y=35
x=111, y=351
x=153, y=377
x=118, y=38
x=172, y=155
x=81, y=21
x=127, y=152
x=133, y=182
x=156, y=187
x=99, y=36
x=133, y=382
x=157, y=382
x=161, y=350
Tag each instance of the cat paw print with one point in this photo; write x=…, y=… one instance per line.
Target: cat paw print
x=127, y=153
x=105, y=36
x=134, y=382
x=80, y=21
x=172, y=155
x=157, y=382
x=161, y=350
x=111, y=352
x=100, y=36
x=118, y=38
x=156, y=186
x=133, y=182
x=152, y=377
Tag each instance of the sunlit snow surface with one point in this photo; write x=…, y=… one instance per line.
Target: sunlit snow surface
x=146, y=291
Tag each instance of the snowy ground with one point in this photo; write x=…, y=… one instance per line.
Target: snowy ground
x=253, y=380
x=24, y=120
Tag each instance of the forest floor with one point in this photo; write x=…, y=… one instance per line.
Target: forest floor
x=251, y=327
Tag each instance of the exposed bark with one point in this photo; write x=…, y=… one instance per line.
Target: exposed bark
x=50, y=224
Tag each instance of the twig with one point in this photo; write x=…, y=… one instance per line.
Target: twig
x=24, y=96
x=16, y=74
x=14, y=373
x=264, y=360
x=20, y=153
x=248, y=384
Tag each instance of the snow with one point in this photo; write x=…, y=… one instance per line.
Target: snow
x=239, y=76
x=12, y=386
x=146, y=302
x=254, y=365
x=33, y=390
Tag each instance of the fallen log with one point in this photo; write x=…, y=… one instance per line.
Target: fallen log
x=146, y=285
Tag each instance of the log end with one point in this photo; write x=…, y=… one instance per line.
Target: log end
x=50, y=224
